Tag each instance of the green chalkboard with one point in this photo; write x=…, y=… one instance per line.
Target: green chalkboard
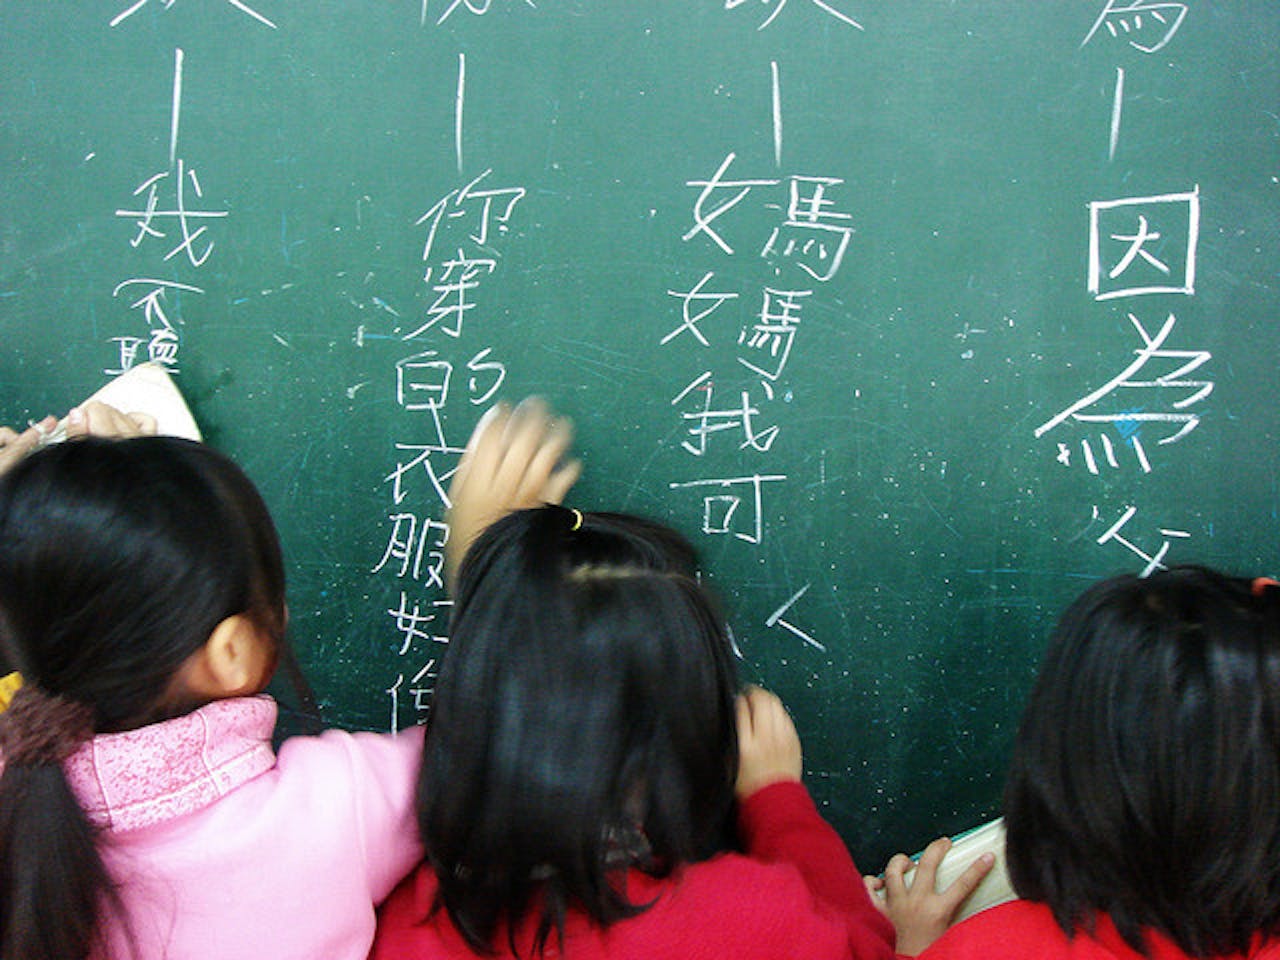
x=915, y=316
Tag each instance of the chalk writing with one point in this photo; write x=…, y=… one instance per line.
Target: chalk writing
x=476, y=7
x=697, y=305
x=813, y=236
x=767, y=342
x=721, y=508
x=1144, y=25
x=414, y=621
x=775, y=619
x=1129, y=392
x=406, y=531
x=1143, y=245
x=169, y=213
x=423, y=379
x=167, y=4
x=483, y=212
x=420, y=687
x=779, y=5
x=1154, y=561
x=440, y=366
x=706, y=421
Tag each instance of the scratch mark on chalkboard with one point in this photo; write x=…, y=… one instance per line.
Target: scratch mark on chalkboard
x=383, y=305
x=1116, y=106
x=941, y=519
x=352, y=390
x=459, y=102
x=281, y=340
x=777, y=114
x=89, y=156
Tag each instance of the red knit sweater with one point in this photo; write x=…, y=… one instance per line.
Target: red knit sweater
x=795, y=893
x=1022, y=930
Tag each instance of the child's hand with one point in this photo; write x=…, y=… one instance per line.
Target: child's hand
x=920, y=914
x=513, y=460
x=14, y=446
x=768, y=745
x=98, y=419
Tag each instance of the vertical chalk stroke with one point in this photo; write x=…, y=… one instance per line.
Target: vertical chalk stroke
x=777, y=114
x=459, y=101
x=177, y=107
x=1116, y=107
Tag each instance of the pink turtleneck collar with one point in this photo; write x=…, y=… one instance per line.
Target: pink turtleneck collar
x=140, y=778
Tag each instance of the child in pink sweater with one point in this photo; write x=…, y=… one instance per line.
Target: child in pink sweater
x=143, y=812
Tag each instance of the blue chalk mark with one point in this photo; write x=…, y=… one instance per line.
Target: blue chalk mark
x=1129, y=428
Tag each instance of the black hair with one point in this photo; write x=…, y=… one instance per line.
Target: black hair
x=117, y=561
x=582, y=721
x=1146, y=775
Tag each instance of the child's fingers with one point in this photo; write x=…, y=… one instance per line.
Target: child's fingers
x=742, y=707
x=556, y=436
x=875, y=890
x=15, y=446
x=768, y=746
x=484, y=449
x=559, y=483
x=99, y=419
x=927, y=865
x=895, y=871
x=146, y=424
x=966, y=883
x=534, y=443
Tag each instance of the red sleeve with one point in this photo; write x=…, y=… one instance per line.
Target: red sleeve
x=780, y=824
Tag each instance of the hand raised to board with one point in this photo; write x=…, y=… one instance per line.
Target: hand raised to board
x=515, y=459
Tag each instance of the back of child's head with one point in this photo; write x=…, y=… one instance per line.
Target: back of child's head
x=117, y=561
x=1146, y=776
x=582, y=720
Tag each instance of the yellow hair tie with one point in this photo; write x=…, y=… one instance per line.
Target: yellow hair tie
x=577, y=520
x=9, y=685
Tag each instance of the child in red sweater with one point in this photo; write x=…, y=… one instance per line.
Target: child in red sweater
x=1143, y=803
x=593, y=786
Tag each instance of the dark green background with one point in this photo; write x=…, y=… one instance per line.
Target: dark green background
x=939, y=538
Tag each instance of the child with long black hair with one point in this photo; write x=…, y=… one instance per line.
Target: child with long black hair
x=143, y=811
x=1143, y=802
x=593, y=783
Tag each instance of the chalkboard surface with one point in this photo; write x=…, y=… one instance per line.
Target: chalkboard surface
x=915, y=316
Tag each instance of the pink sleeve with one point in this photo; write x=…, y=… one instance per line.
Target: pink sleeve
x=780, y=824
x=385, y=774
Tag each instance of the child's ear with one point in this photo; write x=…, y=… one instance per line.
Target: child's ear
x=236, y=661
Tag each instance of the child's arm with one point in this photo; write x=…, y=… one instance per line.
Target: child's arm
x=781, y=825
x=514, y=459
x=920, y=914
